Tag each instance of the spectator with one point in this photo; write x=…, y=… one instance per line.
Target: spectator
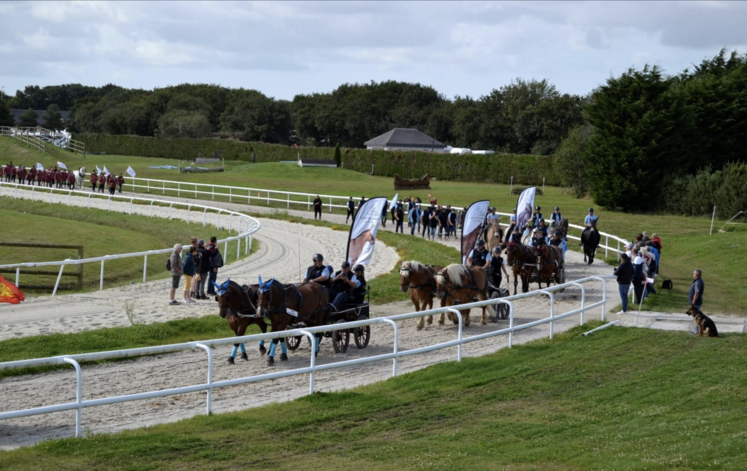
x=351, y=210
x=216, y=262
x=696, y=289
x=189, y=271
x=624, y=273
x=177, y=271
x=399, y=216
x=203, y=268
x=425, y=219
x=415, y=214
x=102, y=182
x=433, y=223
x=452, y=221
x=638, y=275
x=384, y=213
x=112, y=184
x=317, y=207
x=443, y=223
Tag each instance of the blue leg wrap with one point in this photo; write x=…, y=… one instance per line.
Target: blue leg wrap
x=233, y=352
x=261, y=343
x=284, y=347
x=318, y=341
x=272, y=350
x=243, y=350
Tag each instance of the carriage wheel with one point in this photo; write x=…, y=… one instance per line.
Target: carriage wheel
x=341, y=338
x=362, y=335
x=505, y=311
x=293, y=342
x=496, y=308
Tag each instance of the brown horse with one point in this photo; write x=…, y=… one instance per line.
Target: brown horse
x=303, y=305
x=520, y=258
x=549, y=259
x=421, y=281
x=461, y=283
x=239, y=307
x=494, y=235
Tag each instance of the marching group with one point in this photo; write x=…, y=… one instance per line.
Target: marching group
x=106, y=181
x=199, y=268
x=57, y=178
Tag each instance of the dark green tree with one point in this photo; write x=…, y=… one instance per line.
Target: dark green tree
x=571, y=160
x=6, y=119
x=180, y=123
x=28, y=119
x=52, y=119
x=338, y=155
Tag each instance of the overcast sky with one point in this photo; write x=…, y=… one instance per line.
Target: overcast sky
x=283, y=49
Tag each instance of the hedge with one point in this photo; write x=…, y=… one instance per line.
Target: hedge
x=496, y=168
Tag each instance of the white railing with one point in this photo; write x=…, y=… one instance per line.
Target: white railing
x=209, y=385
x=245, y=227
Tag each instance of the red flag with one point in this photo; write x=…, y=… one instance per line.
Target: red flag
x=9, y=293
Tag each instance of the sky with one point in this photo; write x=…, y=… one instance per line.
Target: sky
x=288, y=48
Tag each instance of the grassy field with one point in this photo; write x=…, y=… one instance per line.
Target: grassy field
x=687, y=244
x=100, y=232
x=630, y=399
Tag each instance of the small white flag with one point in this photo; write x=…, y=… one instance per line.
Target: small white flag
x=61, y=165
x=98, y=170
x=39, y=167
x=650, y=281
x=130, y=171
x=106, y=172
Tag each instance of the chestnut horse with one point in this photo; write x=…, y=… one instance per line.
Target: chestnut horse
x=521, y=259
x=461, y=283
x=304, y=305
x=421, y=281
x=239, y=307
x=494, y=235
x=548, y=259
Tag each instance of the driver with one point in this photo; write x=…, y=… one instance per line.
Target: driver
x=479, y=256
x=317, y=272
x=494, y=269
x=557, y=241
x=342, y=283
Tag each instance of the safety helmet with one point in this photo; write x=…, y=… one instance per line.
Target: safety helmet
x=537, y=208
x=480, y=243
x=557, y=233
x=591, y=210
x=497, y=249
x=318, y=256
x=345, y=265
x=359, y=267
x=557, y=208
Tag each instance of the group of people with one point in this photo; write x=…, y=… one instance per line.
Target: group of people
x=109, y=181
x=492, y=262
x=199, y=268
x=59, y=178
x=638, y=265
x=346, y=284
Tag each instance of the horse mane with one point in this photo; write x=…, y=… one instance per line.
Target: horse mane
x=411, y=265
x=455, y=271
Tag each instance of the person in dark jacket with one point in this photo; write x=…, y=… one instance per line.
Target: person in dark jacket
x=216, y=262
x=189, y=269
x=203, y=269
x=624, y=273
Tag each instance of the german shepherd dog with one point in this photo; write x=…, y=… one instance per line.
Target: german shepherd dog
x=706, y=326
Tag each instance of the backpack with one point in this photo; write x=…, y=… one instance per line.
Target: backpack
x=217, y=260
x=168, y=264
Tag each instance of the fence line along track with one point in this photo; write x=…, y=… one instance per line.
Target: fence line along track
x=245, y=227
x=309, y=333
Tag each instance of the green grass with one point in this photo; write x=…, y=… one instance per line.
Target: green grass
x=631, y=399
x=100, y=232
x=687, y=244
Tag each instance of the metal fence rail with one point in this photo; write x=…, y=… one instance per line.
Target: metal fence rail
x=209, y=385
x=245, y=226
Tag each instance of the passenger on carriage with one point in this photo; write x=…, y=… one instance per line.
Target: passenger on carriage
x=515, y=236
x=556, y=216
x=540, y=233
x=558, y=241
x=344, y=282
x=537, y=216
x=496, y=266
x=317, y=272
x=479, y=256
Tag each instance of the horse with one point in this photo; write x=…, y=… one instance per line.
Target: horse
x=494, y=235
x=548, y=259
x=80, y=177
x=421, y=281
x=303, y=305
x=239, y=307
x=461, y=283
x=590, y=240
x=521, y=259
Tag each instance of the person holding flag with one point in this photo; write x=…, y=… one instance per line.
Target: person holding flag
x=9, y=293
x=94, y=178
x=102, y=182
x=120, y=182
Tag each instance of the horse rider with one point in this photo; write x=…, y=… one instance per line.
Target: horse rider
x=515, y=236
x=496, y=266
x=537, y=216
x=540, y=235
x=590, y=220
x=479, y=256
x=317, y=272
x=489, y=218
x=556, y=216
x=342, y=283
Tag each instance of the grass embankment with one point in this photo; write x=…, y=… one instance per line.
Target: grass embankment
x=100, y=232
x=687, y=244
x=620, y=399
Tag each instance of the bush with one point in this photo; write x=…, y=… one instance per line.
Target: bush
x=696, y=195
x=571, y=160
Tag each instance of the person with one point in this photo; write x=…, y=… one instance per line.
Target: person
x=556, y=216
x=102, y=182
x=657, y=243
x=384, y=213
x=317, y=272
x=425, y=220
x=358, y=294
x=216, y=262
x=537, y=216
x=695, y=296
x=360, y=203
x=443, y=222
x=399, y=215
x=479, y=257
x=341, y=285
x=32, y=176
x=557, y=241
x=433, y=222
x=177, y=270
x=393, y=210
x=496, y=267
x=624, y=274
x=452, y=221
x=93, y=179
x=515, y=236
x=189, y=271
x=203, y=268
x=539, y=237
x=415, y=214
x=22, y=172
x=112, y=182
x=655, y=252
x=351, y=210
x=71, y=180
x=317, y=207
x=638, y=275
x=120, y=182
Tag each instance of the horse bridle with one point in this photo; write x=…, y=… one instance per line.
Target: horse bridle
x=240, y=312
x=431, y=283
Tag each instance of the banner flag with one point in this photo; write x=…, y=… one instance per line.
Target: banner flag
x=9, y=293
x=61, y=165
x=474, y=221
x=98, y=170
x=39, y=167
x=362, y=238
x=394, y=201
x=131, y=172
x=106, y=172
x=524, y=208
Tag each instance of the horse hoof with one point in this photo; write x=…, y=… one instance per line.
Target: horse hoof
x=230, y=361
x=283, y=357
x=270, y=361
x=483, y=323
x=244, y=356
x=262, y=350
x=420, y=327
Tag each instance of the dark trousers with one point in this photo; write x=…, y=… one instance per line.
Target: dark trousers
x=638, y=290
x=318, y=210
x=399, y=227
x=350, y=215
x=212, y=276
x=200, y=287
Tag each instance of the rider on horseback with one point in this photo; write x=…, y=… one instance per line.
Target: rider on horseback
x=590, y=221
x=343, y=283
x=318, y=273
x=480, y=256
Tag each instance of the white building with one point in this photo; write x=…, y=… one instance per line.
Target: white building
x=405, y=139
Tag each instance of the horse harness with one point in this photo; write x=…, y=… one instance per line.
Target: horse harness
x=471, y=286
x=430, y=284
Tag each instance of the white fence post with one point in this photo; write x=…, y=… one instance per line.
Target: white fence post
x=78, y=393
x=145, y=267
x=101, y=278
x=57, y=283
x=209, y=376
x=18, y=276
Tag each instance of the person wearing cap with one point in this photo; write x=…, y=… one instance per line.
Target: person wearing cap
x=189, y=269
x=590, y=220
x=495, y=267
x=216, y=262
x=317, y=272
x=202, y=262
x=557, y=241
x=342, y=283
x=415, y=215
x=351, y=210
x=556, y=216
x=624, y=274
x=479, y=256
x=540, y=233
x=537, y=216
x=399, y=218
x=358, y=294
x=452, y=221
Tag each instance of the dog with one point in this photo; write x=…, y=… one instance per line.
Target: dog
x=706, y=326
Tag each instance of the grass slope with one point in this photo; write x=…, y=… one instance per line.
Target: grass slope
x=620, y=399
x=686, y=242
